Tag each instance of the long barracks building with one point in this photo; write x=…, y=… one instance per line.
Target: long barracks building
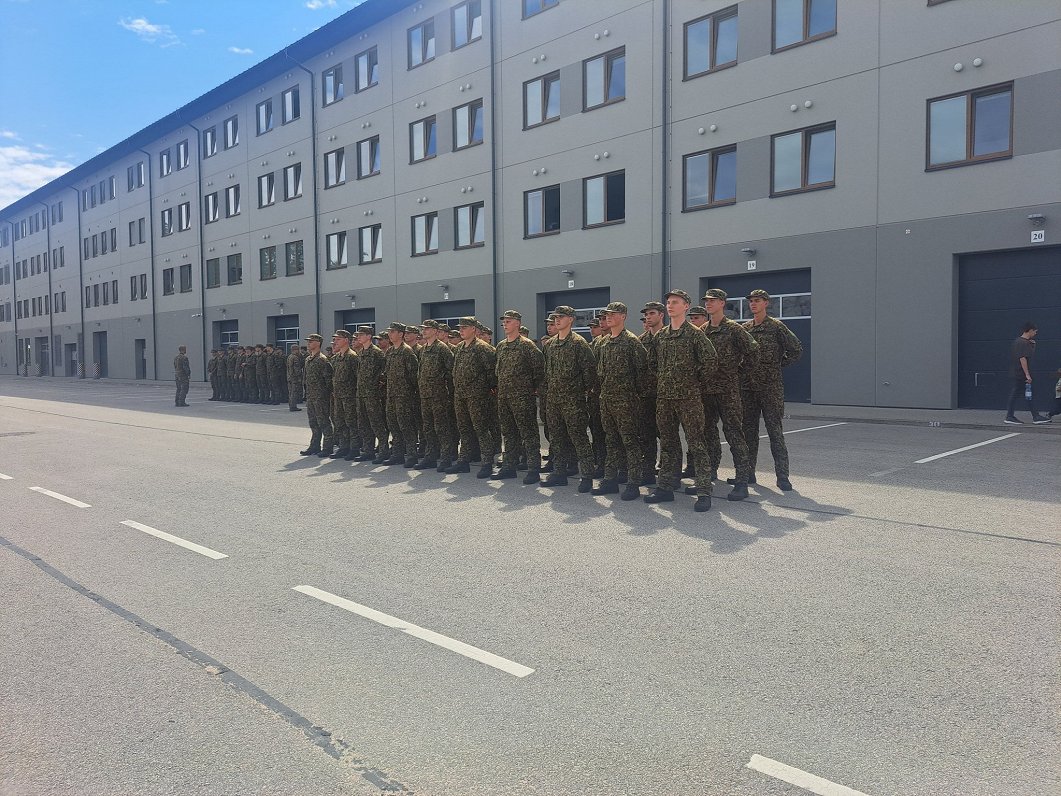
x=889, y=170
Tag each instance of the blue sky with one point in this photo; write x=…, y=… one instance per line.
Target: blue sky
x=78, y=76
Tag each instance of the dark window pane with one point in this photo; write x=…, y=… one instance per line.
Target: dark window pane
x=617, y=79
x=616, y=197
x=788, y=22
x=726, y=40
x=725, y=187
x=991, y=124
x=697, y=47
x=822, y=17
x=552, y=209
x=822, y=157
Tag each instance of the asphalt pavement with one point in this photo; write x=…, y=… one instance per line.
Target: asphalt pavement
x=190, y=607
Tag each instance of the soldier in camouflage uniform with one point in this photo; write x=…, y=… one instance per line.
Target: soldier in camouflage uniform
x=261, y=372
x=413, y=337
x=434, y=378
x=596, y=428
x=401, y=366
x=228, y=382
x=318, y=385
x=371, y=425
x=344, y=397
x=685, y=362
x=182, y=374
x=212, y=374
x=520, y=371
x=622, y=371
x=722, y=401
x=763, y=390
x=278, y=383
x=245, y=373
x=571, y=374
x=473, y=380
x=652, y=320
x=294, y=379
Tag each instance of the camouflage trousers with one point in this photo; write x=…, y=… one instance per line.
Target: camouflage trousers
x=769, y=402
x=519, y=430
x=279, y=388
x=320, y=422
x=215, y=387
x=689, y=414
x=596, y=429
x=475, y=426
x=726, y=406
x=250, y=389
x=440, y=436
x=344, y=420
x=401, y=420
x=621, y=418
x=649, y=434
x=263, y=388
x=182, y=390
x=372, y=425
x=568, y=440
x=294, y=394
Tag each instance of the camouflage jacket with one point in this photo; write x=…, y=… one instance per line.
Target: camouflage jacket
x=182, y=368
x=261, y=364
x=736, y=350
x=684, y=362
x=294, y=367
x=435, y=375
x=473, y=369
x=401, y=368
x=371, y=363
x=520, y=368
x=570, y=369
x=318, y=378
x=211, y=366
x=649, y=341
x=245, y=368
x=622, y=367
x=344, y=374
x=778, y=347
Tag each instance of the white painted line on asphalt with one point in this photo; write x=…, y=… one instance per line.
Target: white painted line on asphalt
x=799, y=778
x=966, y=448
x=198, y=548
x=797, y=430
x=881, y=473
x=63, y=498
x=6, y=477
x=467, y=650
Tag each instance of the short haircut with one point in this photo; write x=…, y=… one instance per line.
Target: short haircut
x=1028, y=326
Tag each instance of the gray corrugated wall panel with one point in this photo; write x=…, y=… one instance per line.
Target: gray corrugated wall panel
x=1037, y=113
x=570, y=205
x=753, y=169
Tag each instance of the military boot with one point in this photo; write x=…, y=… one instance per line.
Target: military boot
x=658, y=495
x=410, y=462
x=609, y=486
x=326, y=451
x=751, y=480
x=503, y=473
x=396, y=457
x=782, y=483
x=703, y=503
x=426, y=464
x=532, y=477
x=444, y=465
x=486, y=470
x=739, y=492
x=630, y=492
x=353, y=455
x=341, y=453
x=555, y=479
x=310, y=451
x=458, y=467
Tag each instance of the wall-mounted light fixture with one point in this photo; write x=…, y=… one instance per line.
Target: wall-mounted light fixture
x=1037, y=219
x=570, y=274
x=748, y=251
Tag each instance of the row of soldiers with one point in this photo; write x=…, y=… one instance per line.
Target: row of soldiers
x=259, y=374
x=609, y=406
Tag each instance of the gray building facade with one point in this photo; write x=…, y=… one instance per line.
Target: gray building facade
x=893, y=164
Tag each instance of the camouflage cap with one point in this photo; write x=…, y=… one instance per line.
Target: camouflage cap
x=524, y=330
x=617, y=307
x=444, y=328
x=550, y=317
x=468, y=320
x=486, y=329
x=698, y=310
x=653, y=305
x=511, y=314
x=429, y=324
x=680, y=294
x=716, y=293
x=316, y=337
x=564, y=310
x=594, y=323
x=759, y=294
x=412, y=329
x=453, y=333
x=344, y=333
x=396, y=327
x=366, y=330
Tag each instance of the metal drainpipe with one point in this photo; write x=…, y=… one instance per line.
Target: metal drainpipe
x=202, y=243
x=80, y=287
x=495, y=288
x=51, y=315
x=14, y=292
x=313, y=165
x=665, y=171
x=151, y=257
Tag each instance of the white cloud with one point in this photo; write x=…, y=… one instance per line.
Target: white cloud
x=149, y=32
x=198, y=31
x=241, y=50
x=313, y=5
x=23, y=170
x=8, y=134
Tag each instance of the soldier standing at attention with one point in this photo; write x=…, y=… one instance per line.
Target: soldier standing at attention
x=211, y=371
x=652, y=321
x=571, y=374
x=344, y=397
x=597, y=333
x=622, y=370
x=276, y=375
x=434, y=377
x=229, y=381
x=763, y=390
x=372, y=427
x=474, y=377
x=270, y=366
x=294, y=379
x=735, y=349
x=698, y=317
x=401, y=394
x=520, y=374
x=261, y=372
x=685, y=364
x=182, y=373
x=318, y=384
x=412, y=337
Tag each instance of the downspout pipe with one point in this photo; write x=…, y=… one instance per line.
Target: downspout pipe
x=665, y=157
x=51, y=296
x=316, y=195
x=495, y=28
x=80, y=288
x=14, y=293
x=151, y=257
x=202, y=242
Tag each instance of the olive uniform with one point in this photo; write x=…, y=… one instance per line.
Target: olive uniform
x=434, y=377
x=622, y=369
x=318, y=387
x=571, y=374
x=520, y=375
x=474, y=378
x=370, y=391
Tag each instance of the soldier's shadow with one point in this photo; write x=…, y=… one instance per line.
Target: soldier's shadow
x=514, y=495
x=794, y=501
x=304, y=463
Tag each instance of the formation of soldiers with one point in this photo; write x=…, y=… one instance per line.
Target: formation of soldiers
x=430, y=397
x=259, y=374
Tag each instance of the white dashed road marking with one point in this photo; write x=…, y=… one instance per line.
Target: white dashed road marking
x=6, y=477
x=206, y=551
x=966, y=448
x=797, y=430
x=63, y=498
x=800, y=778
x=467, y=650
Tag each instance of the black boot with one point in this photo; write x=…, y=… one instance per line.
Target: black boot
x=740, y=491
x=532, y=477
x=555, y=479
x=395, y=458
x=751, y=480
x=585, y=485
x=547, y=467
x=410, y=462
x=503, y=473
x=443, y=465
x=703, y=503
x=630, y=492
x=341, y=453
x=312, y=450
x=658, y=495
x=609, y=486
x=426, y=464
x=325, y=452
x=485, y=471
x=783, y=483
x=458, y=467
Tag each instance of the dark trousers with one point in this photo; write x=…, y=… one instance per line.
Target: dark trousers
x=1016, y=396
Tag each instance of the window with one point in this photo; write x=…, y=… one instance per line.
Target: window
x=371, y=244
x=106, y=294
x=167, y=282
x=803, y=160
x=266, y=190
x=293, y=255
x=335, y=244
x=467, y=20
x=209, y=142
x=167, y=222
x=165, y=163
x=264, y=113
x=213, y=272
x=604, y=79
x=468, y=125
x=710, y=179
x=469, y=226
x=541, y=212
x=292, y=181
x=800, y=21
x=133, y=294
x=184, y=216
x=182, y=154
x=605, y=199
x=425, y=234
x=782, y=307
x=186, y=278
x=332, y=82
x=57, y=213
x=235, y=269
x=421, y=39
x=95, y=246
x=366, y=69
x=132, y=237
x=971, y=127
x=711, y=43
x=102, y=247
x=267, y=262
x=532, y=7
x=231, y=132
x=114, y=239
x=422, y=144
x=368, y=158
x=541, y=100
x=334, y=168
x=212, y=209
x=134, y=176
x=143, y=285
x=291, y=108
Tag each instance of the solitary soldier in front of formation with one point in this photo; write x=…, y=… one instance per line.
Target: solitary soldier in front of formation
x=318, y=383
x=182, y=372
